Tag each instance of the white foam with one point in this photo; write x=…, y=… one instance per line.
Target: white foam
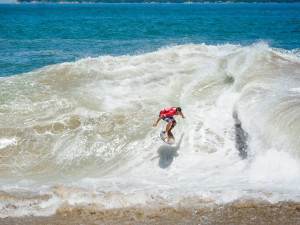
x=5, y=142
x=275, y=168
x=297, y=90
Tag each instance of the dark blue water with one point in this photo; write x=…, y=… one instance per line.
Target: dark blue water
x=33, y=36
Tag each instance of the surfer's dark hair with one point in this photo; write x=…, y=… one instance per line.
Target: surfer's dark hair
x=178, y=109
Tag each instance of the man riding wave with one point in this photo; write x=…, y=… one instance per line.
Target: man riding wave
x=167, y=115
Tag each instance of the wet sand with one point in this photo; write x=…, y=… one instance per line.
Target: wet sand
x=238, y=212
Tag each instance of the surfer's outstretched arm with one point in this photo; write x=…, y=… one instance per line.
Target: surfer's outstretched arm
x=159, y=118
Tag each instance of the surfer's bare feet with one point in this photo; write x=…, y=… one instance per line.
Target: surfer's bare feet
x=170, y=134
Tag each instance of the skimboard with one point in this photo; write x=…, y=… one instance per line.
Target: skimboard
x=163, y=137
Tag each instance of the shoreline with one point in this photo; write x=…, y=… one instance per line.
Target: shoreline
x=237, y=212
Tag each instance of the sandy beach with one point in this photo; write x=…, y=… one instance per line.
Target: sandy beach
x=237, y=212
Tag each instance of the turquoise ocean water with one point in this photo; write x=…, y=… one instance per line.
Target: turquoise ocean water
x=81, y=86
x=33, y=36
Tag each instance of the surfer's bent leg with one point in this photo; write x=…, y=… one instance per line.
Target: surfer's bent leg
x=168, y=126
x=169, y=132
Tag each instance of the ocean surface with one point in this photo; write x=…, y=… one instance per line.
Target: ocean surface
x=81, y=86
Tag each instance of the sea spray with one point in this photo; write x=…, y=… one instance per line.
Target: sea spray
x=80, y=132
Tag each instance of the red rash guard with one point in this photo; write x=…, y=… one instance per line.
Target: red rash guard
x=169, y=112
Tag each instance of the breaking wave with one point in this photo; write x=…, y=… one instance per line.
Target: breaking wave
x=81, y=132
